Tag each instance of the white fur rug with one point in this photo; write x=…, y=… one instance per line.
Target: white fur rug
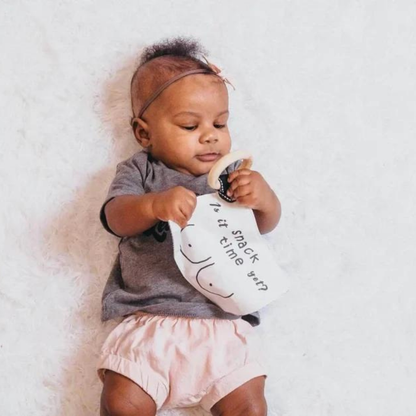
x=325, y=99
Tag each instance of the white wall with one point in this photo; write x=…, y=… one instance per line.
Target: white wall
x=325, y=100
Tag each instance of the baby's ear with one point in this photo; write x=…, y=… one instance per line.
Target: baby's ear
x=141, y=132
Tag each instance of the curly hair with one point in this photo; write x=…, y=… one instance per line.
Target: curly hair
x=162, y=61
x=180, y=46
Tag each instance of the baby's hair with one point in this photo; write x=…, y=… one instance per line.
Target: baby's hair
x=180, y=47
x=162, y=61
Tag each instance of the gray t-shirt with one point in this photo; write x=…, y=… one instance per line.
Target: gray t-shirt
x=145, y=276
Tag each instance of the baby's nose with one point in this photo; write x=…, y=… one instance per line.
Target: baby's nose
x=210, y=136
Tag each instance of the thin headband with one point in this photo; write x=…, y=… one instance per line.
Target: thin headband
x=213, y=70
x=167, y=83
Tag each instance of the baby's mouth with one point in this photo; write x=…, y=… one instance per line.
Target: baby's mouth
x=208, y=157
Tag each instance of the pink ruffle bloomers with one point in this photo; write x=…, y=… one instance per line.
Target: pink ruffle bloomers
x=181, y=362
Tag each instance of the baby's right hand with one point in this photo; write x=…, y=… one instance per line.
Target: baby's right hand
x=176, y=204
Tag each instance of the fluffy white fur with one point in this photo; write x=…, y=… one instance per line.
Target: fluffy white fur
x=325, y=100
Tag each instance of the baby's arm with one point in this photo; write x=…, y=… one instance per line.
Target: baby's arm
x=251, y=190
x=268, y=218
x=129, y=215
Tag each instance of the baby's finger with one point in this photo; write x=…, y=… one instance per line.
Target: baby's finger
x=237, y=182
x=187, y=211
x=192, y=200
x=188, y=207
x=246, y=200
x=180, y=219
x=237, y=173
x=242, y=191
x=191, y=194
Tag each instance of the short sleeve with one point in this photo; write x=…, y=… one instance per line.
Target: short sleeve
x=129, y=180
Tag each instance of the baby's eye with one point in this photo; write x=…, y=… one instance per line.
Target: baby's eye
x=219, y=126
x=190, y=128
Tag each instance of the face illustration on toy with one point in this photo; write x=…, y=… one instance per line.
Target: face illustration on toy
x=202, y=267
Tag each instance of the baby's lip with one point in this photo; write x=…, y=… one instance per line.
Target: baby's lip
x=208, y=157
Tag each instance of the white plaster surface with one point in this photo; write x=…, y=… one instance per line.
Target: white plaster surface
x=326, y=101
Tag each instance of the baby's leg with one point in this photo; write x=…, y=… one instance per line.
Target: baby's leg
x=247, y=400
x=123, y=397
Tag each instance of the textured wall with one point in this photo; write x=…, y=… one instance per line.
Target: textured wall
x=325, y=100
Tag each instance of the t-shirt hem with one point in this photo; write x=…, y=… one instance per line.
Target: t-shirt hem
x=253, y=319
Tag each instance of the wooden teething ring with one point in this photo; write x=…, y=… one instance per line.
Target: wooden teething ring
x=226, y=161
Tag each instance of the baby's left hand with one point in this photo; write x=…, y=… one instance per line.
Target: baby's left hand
x=250, y=189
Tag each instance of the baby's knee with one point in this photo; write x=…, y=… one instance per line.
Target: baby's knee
x=119, y=405
x=247, y=400
x=253, y=407
x=258, y=408
x=122, y=397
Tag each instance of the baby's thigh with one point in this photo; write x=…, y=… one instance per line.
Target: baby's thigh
x=123, y=397
x=247, y=400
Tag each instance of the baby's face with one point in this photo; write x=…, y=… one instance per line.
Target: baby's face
x=187, y=124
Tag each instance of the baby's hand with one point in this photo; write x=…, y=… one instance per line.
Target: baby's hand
x=250, y=189
x=176, y=204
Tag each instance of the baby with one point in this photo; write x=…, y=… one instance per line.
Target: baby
x=174, y=347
